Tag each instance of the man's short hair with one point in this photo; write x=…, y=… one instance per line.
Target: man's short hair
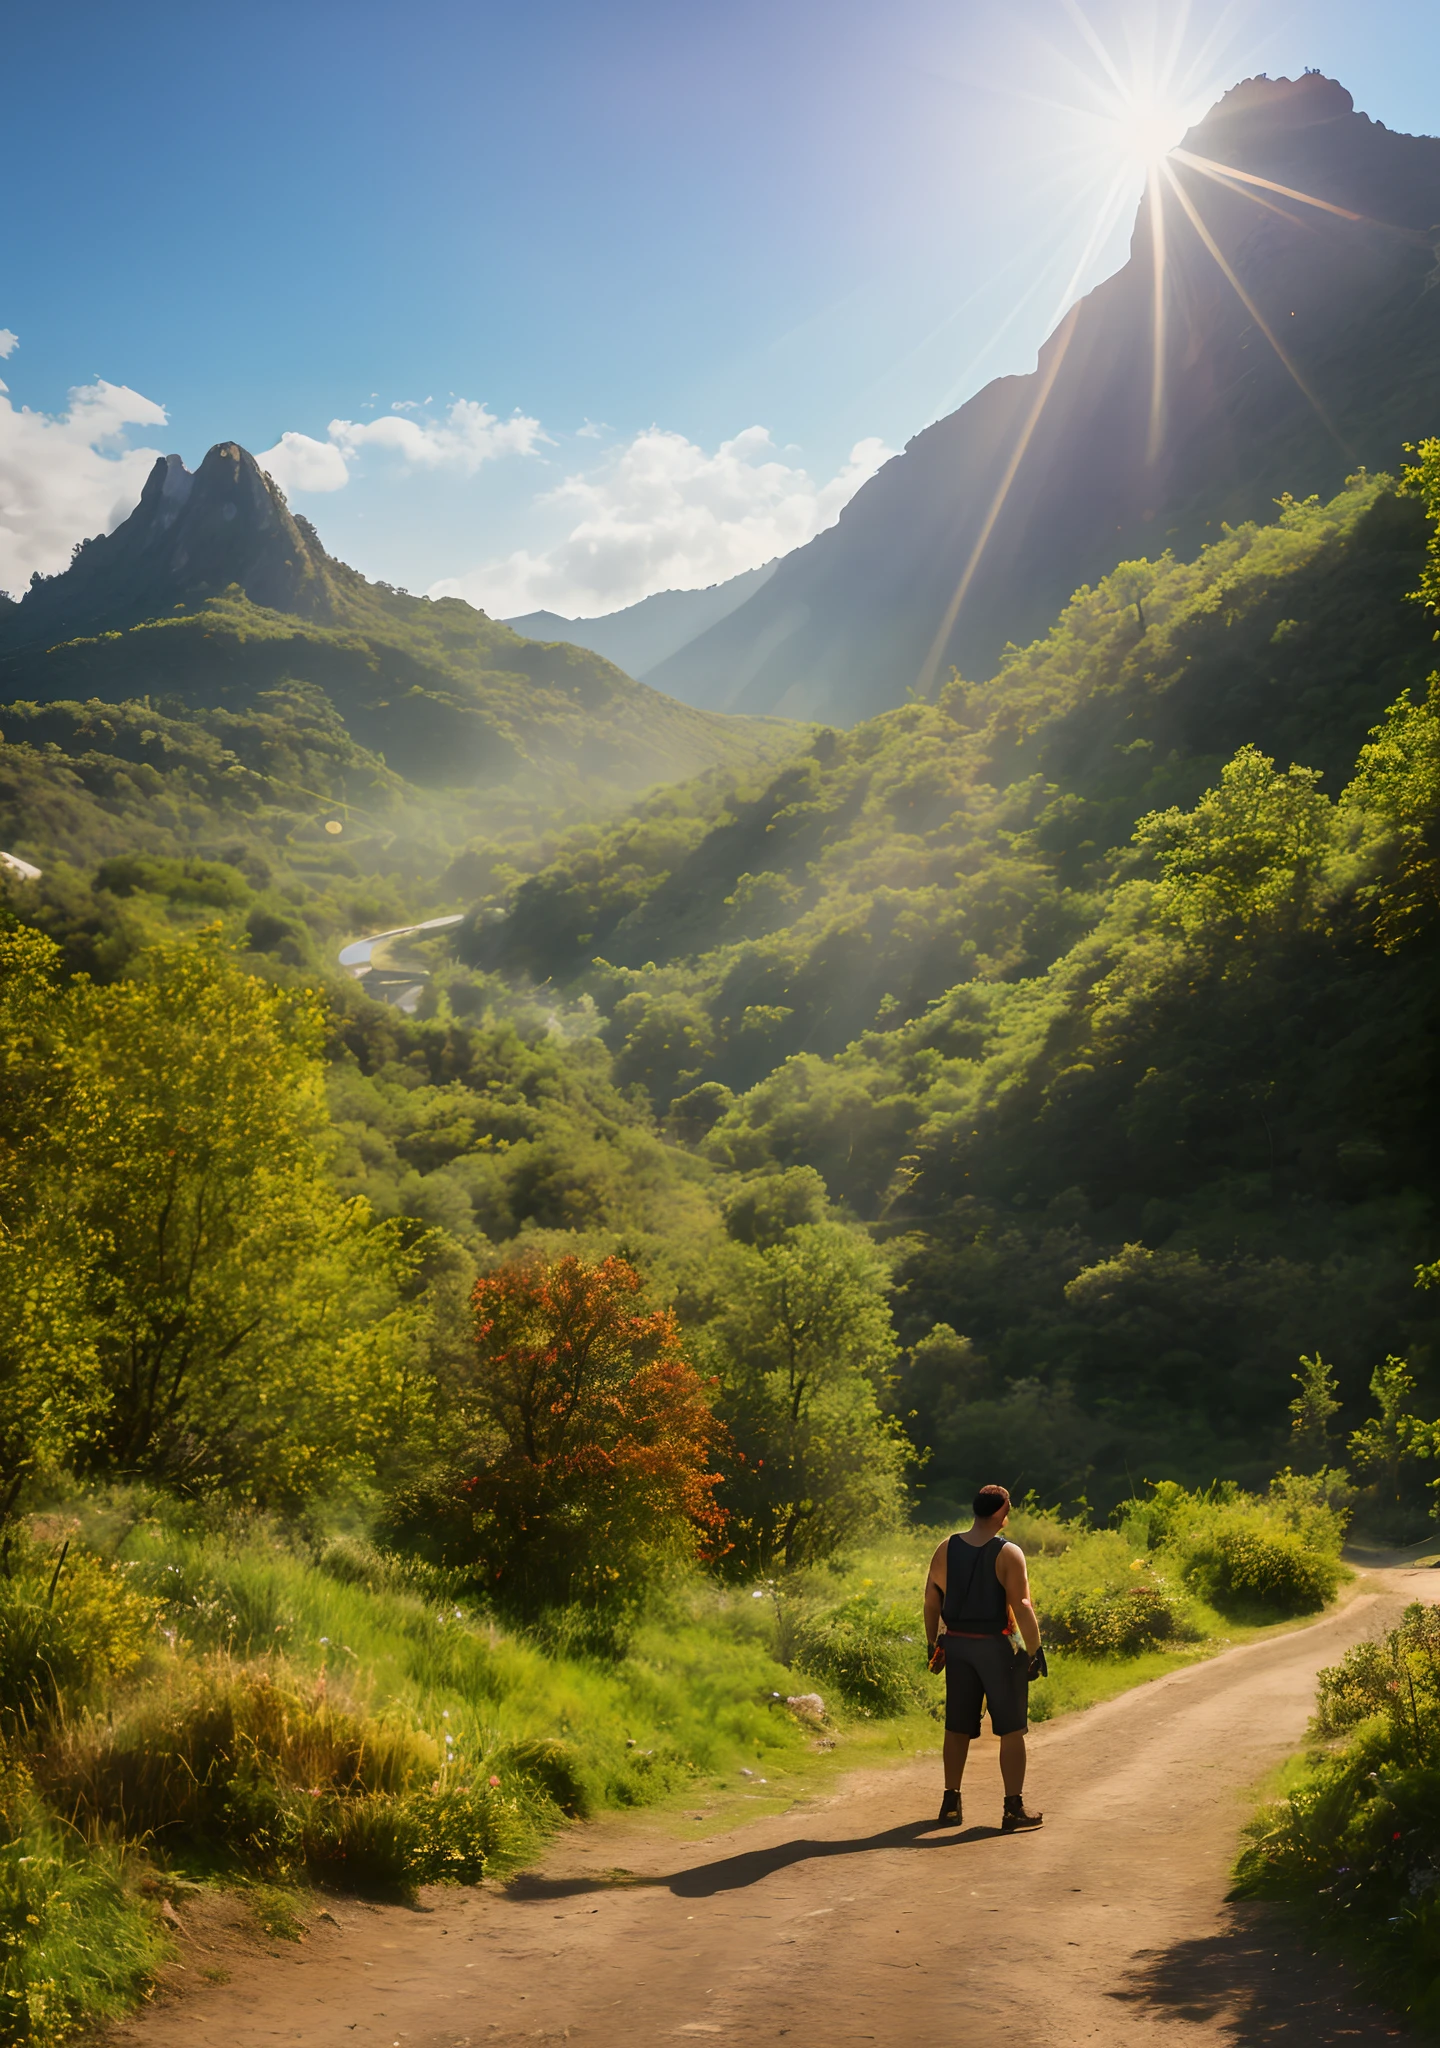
x=989, y=1501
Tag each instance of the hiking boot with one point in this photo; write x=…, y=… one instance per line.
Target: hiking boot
x=949, y=1815
x=1018, y=1815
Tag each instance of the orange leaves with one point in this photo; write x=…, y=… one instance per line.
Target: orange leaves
x=607, y=1438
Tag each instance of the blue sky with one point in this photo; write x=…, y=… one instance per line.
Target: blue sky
x=635, y=234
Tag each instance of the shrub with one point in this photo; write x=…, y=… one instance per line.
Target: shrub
x=1119, y=1622
x=66, y=1625
x=268, y=1771
x=1238, y=1557
x=551, y=1767
x=1096, y=1597
x=215, y=1756
x=861, y=1652
x=1279, y=1553
x=1354, y=1844
x=460, y=1831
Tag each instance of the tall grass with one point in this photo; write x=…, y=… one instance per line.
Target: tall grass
x=76, y=1946
x=234, y=1700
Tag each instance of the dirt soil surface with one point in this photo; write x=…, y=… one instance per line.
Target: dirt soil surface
x=853, y=1918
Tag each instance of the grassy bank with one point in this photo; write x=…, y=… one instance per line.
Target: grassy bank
x=1351, y=1844
x=236, y=1704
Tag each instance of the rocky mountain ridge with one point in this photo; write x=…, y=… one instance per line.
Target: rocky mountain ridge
x=1299, y=340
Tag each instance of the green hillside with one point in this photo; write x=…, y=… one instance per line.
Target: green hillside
x=449, y=698
x=303, y=751
x=1134, y=1078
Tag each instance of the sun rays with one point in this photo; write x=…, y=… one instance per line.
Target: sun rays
x=1135, y=111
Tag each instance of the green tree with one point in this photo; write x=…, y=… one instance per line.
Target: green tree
x=1251, y=854
x=805, y=1348
x=52, y=1390
x=251, y=1318
x=1394, y=1441
x=1130, y=583
x=1311, y=1414
x=1396, y=790
x=759, y=1211
x=1421, y=479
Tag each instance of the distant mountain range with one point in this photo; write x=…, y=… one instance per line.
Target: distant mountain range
x=644, y=634
x=1298, y=339
x=214, y=596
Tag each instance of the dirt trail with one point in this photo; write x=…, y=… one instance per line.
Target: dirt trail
x=851, y=1919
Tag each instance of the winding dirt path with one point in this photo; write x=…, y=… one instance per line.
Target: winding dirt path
x=852, y=1919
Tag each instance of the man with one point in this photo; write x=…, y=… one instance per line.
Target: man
x=976, y=1592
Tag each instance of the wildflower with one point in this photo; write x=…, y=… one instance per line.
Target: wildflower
x=494, y=1784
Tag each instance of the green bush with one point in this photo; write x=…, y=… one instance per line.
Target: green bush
x=551, y=1767
x=1278, y=1552
x=1097, y=1598
x=1114, y=1623
x=65, y=1627
x=865, y=1653
x=1240, y=1558
x=1355, y=1845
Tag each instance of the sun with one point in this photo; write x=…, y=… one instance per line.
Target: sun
x=1144, y=129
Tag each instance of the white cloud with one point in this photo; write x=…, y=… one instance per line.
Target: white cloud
x=468, y=435
x=662, y=514
x=298, y=462
x=66, y=476
x=9, y=341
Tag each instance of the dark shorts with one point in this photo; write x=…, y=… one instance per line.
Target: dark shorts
x=985, y=1667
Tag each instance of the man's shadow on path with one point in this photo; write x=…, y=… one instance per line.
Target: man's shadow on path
x=734, y=1873
x=1263, y=1982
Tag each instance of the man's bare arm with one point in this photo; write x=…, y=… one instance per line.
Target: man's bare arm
x=1013, y=1576
x=933, y=1596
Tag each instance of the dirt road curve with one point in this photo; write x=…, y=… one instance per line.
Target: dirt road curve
x=852, y=1919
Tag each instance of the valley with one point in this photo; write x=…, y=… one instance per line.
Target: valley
x=535, y=1188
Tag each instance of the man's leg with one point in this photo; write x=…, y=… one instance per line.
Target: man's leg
x=1012, y=1764
x=957, y=1748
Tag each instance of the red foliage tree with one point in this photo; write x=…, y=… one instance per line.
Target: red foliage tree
x=595, y=1438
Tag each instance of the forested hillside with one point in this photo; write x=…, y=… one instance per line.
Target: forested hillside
x=1115, y=1024
x=1108, y=1026
x=213, y=597
x=206, y=715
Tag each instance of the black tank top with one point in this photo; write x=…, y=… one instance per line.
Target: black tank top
x=976, y=1604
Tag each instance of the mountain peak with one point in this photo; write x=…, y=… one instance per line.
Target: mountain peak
x=1273, y=104
x=192, y=536
x=1274, y=329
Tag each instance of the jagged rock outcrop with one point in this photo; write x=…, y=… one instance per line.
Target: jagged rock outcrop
x=1317, y=353
x=192, y=536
